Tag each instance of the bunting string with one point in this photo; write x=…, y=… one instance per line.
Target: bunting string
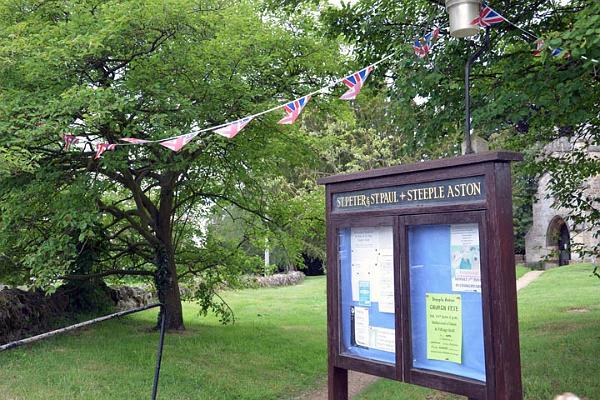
x=489, y=17
x=422, y=46
x=354, y=82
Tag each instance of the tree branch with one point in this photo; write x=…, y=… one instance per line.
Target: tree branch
x=118, y=272
x=138, y=227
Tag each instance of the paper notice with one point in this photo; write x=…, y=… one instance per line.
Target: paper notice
x=444, y=327
x=364, y=242
x=361, y=272
x=361, y=326
x=465, y=258
x=383, y=339
x=386, y=283
x=386, y=240
x=372, y=274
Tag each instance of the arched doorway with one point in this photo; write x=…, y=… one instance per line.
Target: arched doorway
x=558, y=240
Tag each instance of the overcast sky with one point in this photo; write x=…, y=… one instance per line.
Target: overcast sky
x=338, y=2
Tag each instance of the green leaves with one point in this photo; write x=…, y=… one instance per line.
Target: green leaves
x=519, y=101
x=151, y=69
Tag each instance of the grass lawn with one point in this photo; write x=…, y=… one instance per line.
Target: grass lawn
x=559, y=318
x=276, y=349
x=522, y=270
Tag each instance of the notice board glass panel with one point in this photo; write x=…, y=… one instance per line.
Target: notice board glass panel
x=367, y=308
x=445, y=299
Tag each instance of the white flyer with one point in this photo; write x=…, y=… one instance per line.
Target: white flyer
x=364, y=243
x=361, y=326
x=372, y=274
x=383, y=339
x=386, y=240
x=465, y=258
x=385, y=283
x=379, y=273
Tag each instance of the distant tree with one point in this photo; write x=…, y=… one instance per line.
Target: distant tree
x=302, y=234
x=151, y=69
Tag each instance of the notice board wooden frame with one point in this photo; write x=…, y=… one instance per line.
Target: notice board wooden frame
x=358, y=200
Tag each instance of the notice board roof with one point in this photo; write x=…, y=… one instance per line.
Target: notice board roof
x=425, y=166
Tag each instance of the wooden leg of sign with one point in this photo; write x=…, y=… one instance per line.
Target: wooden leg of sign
x=338, y=383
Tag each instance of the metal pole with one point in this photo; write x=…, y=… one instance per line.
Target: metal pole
x=33, y=339
x=161, y=342
x=470, y=61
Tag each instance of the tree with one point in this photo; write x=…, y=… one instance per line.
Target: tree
x=104, y=70
x=519, y=101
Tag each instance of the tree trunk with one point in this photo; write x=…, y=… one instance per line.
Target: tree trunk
x=167, y=288
x=167, y=284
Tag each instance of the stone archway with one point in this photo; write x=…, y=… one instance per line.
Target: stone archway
x=558, y=240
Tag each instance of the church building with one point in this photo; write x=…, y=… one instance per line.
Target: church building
x=553, y=239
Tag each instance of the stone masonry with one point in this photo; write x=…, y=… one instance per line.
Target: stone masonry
x=541, y=242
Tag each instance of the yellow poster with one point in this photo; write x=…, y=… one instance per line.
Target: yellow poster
x=444, y=327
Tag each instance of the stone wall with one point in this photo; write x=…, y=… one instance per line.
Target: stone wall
x=28, y=313
x=24, y=314
x=127, y=297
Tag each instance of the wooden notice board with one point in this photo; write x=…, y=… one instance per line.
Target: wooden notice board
x=421, y=276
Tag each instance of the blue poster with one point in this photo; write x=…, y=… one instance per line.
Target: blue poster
x=431, y=272
x=364, y=293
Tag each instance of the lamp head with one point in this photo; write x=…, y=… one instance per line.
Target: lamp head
x=461, y=14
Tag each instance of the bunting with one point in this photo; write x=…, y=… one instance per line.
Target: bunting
x=102, y=147
x=539, y=47
x=293, y=109
x=488, y=17
x=229, y=131
x=177, y=143
x=69, y=140
x=135, y=140
x=355, y=83
x=423, y=45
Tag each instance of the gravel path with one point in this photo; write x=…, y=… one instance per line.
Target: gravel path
x=528, y=278
x=357, y=382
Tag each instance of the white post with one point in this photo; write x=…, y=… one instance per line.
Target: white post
x=267, y=256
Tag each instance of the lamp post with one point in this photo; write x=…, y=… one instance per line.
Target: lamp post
x=461, y=14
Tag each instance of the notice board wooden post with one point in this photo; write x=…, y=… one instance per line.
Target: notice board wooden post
x=421, y=276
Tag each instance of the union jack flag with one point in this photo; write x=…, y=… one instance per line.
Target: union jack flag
x=102, y=147
x=539, y=47
x=556, y=52
x=424, y=44
x=178, y=142
x=293, y=109
x=229, y=131
x=488, y=17
x=134, y=140
x=355, y=82
x=69, y=140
